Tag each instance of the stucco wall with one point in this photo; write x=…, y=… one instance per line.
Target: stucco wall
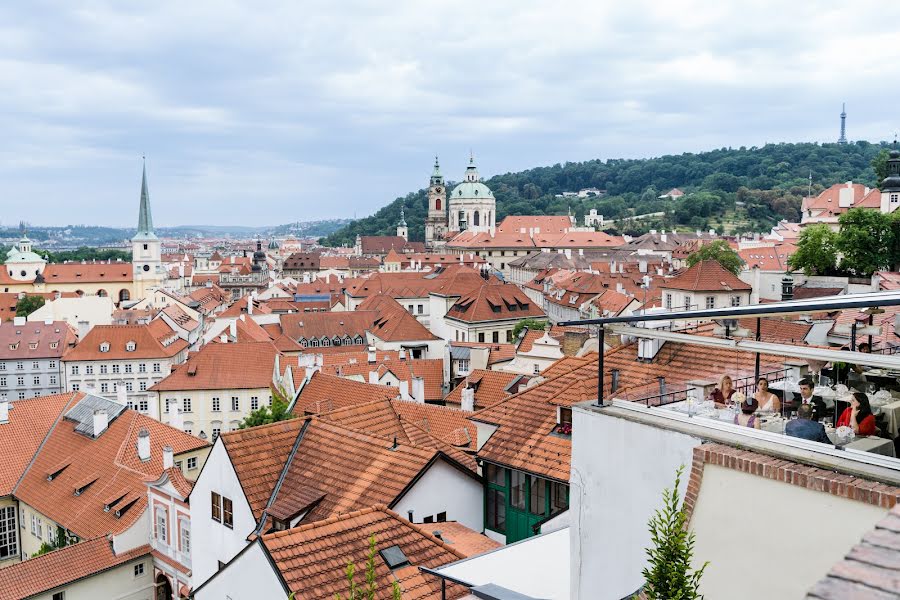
x=445, y=488
x=769, y=539
x=249, y=577
x=119, y=583
x=619, y=470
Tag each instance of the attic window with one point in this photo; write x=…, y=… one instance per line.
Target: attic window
x=394, y=557
x=33, y=346
x=54, y=345
x=192, y=370
x=84, y=484
x=56, y=471
x=563, y=420
x=130, y=346
x=14, y=346
x=121, y=511
x=104, y=347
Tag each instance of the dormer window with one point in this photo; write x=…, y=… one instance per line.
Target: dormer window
x=54, y=345
x=104, y=347
x=130, y=346
x=563, y=420
x=32, y=346
x=14, y=346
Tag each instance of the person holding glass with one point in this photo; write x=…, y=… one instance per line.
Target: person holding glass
x=858, y=415
x=767, y=401
x=723, y=393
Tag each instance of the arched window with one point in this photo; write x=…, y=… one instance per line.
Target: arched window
x=102, y=293
x=326, y=342
x=336, y=341
x=476, y=219
x=359, y=339
x=124, y=295
x=462, y=219
x=437, y=204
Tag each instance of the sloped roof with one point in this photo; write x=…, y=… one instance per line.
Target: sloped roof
x=34, y=340
x=431, y=370
x=311, y=557
x=242, y=365
x=460, y=538
x=325, y=392
x=60, y=567
x=450, y=280
x=110, y=461
x=99, y=272
x=490, y=386
x=706, y=276
x=153, y=340
x=494, y=302
x=394, y=323
x=327, y=324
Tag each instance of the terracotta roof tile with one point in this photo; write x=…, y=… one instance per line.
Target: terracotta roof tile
x=706, y=275
x=494, y=302
x=311, y=558
x=355, y=365
x=394, y=323
x=98, y=272
x=490, y=386
x=460, y=538
x=242, y=365
x=325, y=392
x=154, y=340
x=63, y=566
x=450, y=280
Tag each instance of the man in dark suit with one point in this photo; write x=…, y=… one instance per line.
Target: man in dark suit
x=806, y=397
x=804, y=427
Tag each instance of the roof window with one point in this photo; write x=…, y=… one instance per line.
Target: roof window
x=394, y=557
x=104, y=347
x=130, y=346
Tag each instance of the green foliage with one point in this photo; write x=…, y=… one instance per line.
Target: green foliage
x=768, y=182
x=61, y=541
x=28, y=304
x=531, y=324
x=880, y=166
x=264, y=415
x=816, y=251
x=87, y=253
x=720, y=252
x=867, y=241
x=355, y=592
x=668, y=575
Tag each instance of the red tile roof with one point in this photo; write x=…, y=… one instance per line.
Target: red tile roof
x=394, y=323
x=99, y=272
x=497, y=353
x=706, y=276
x=35, y=340
x=490, y=386
x=357, y=366
x=110, y=461
x=64, y=566
x=30, y=421
x=494, y=302
x=328, y=324
x=452, y=280
x=154, y=340
x=311, y=558
x=242, y=365
x=774, y=258
x=381, y=244
x=324, y=393
x=460, y=538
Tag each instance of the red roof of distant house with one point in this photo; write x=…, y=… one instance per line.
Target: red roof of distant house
x=493, y=303
x=35, y=340
x=706, y=276
x=242, y=365
x=154, y=340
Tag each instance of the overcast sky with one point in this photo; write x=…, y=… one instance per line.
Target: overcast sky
x=264, y=112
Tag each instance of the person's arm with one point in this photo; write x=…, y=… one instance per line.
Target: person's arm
x=853, y=423
x=823, y=436
x=776, y=403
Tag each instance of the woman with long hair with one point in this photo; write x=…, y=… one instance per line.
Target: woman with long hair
x=768, y=401
x=858, y=415
x=723, y=393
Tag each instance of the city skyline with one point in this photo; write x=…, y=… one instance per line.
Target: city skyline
x=309, y=117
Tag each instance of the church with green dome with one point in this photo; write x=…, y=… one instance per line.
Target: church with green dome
x=470, y=206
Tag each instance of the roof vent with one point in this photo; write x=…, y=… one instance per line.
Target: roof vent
x=394, y=557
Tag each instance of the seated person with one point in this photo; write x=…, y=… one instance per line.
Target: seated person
x=806, y=397
x=723, y=393
x=866, y=349
x=767, y=401
x=858, y=415
x=804, y=427
x=746, y=416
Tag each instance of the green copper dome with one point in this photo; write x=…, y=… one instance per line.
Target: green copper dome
x=471, y=189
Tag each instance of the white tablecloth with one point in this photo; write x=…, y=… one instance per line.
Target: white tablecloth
x=891, y=414
x=873, y=444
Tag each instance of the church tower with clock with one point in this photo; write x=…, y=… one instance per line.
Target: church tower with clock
x=436, y=221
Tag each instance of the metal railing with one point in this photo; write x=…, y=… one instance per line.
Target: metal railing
x=745, y=385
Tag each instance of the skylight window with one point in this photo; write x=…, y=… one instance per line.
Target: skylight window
x=394, y=557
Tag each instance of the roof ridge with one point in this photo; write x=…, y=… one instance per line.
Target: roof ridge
x=40, y=447
x=284, y=471
x=324, y=522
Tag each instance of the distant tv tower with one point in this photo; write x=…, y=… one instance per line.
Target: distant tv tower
x=843, y=138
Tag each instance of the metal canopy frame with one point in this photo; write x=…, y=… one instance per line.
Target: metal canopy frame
x=758, y=311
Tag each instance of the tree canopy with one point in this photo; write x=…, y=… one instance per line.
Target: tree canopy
x=816, y=251
x=28, y=304
x=746, y=189
x=866, y=241
x=720, y=252
x=531, y=324
x=269, y=414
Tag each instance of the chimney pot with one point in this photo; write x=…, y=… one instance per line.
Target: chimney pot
x=4, y=410
x=168, y=457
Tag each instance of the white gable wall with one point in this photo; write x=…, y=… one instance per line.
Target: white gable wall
x=249, y=577
x=216, y=542
x=443, y=488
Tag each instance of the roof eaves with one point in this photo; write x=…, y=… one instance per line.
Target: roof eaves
x=281, y=476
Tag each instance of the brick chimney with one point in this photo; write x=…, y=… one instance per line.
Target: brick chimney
x=573, y=341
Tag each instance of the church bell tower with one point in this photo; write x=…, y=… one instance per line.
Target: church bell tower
x=436, y=221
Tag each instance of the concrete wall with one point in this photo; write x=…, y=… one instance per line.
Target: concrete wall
x=216, y=541
x=619, y=470
x=746, y=525
x=202, y=417
x=249, y=577
x=36, y=377
x=443, y=488
x=119, y=583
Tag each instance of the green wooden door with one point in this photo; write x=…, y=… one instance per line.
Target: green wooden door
x=527, y=505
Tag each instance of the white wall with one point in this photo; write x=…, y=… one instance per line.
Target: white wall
x=118, y=582
x=444, y=488
x=215, y=541
x=134, y=536
x=619, y=470
x=249, y=577
x=806, y=541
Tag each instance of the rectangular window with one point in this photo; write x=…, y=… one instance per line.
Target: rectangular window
x=20, y=365
x=37, y=380
x=185, y=538
x=495, y=475
x=59, y=596
x=735, y=300
x=710, y=302
x=128, y=368
x=104, y=388
x=129, y=386
x=481, y=337
x=254, y=403
x=35, y=364
x=161, y=530
x=559, y=497
x=75, y=387
x=227, y=515
x=8, y=542
x=52, y=364
x=669, y=301
x=115, y=369
x=53, y=380
x=156, y=368
x=192, y=463
x=496, y=510
x=216, y=407
x=143, y=406
x=687, y=303
x=517, y=489
x=138, y=569
x=142, y=367
x=88, y=369
x=421, y=309
x=538, y=495
x=103, y=369
x=2, y=381
x=74, y=369
x=216, y=502
x=39, y=533
x=235, y=403
x=187, y=405
x=142, y=386
x=496, y=337
x=216, y=431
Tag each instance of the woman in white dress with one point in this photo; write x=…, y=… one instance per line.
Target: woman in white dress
x=768, y=402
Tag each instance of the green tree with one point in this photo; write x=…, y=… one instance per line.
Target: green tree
x=866, y=241
x=28, y=304
x=816, y=251
x=668, y=575
x=531, y=324
x=264, y=415
x=720, y=252
x=61, y=541
x=356, y=592
x=880, y=166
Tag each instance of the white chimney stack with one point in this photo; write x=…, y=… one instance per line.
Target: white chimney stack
x=404, y=390
x=401, y=354
x=468, y=400
x=642, y=266
x=143, y=445
x=232, y=330
x=250, y=305
x=176, y=419
x=4, y=410
x=121, y=396
x=168, y=457
x=373, y=377
x=83, y=328
x=223, y=338
x=418, y=390
x=371, y=355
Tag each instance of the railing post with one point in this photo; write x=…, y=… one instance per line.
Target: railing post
x=758, y=336
x=601, y=340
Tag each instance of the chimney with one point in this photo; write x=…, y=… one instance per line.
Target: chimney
x=121, y=396
x=642, y=266
x=401, y=354
x=845, y=196
x=468, y=399
x=373, y=377
x=168, y=458
x=57, y=295
x=177, y=419
x=418, y=390
x=232, y=330
x=250, y=305
x=83, y=328
x=143, y=445
x=223, y=338
x=4, y=410
x=371, y=355
x=664, y=237
x=404, y=390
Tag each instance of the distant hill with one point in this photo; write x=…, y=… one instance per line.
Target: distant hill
x=740, y=189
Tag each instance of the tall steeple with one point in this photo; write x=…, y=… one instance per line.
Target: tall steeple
x=145, y=218
x=436, y=177
x=843, y=138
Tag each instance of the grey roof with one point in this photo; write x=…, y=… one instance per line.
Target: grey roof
x=459, y=352
x=83, y=412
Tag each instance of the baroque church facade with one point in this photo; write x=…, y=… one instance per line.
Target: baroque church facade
x=470, y=206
